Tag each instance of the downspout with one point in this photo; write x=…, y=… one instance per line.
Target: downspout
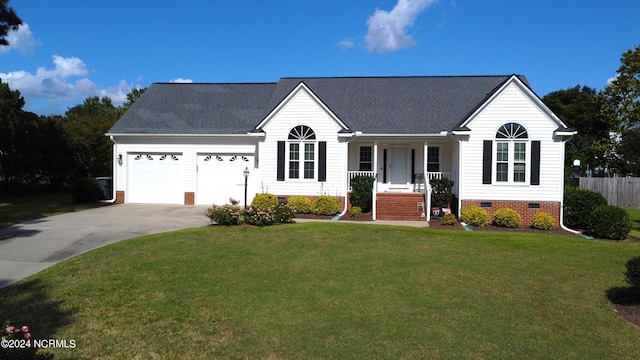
x=562, y=226
x=460, y=177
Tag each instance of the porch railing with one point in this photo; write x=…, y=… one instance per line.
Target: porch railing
x=352, y=174
x=438, y=175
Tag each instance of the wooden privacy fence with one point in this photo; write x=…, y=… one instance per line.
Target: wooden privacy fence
x=622, y=192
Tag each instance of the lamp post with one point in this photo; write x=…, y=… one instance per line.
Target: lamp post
x=246, y=176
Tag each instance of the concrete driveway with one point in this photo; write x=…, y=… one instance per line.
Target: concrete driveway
x=32, y=246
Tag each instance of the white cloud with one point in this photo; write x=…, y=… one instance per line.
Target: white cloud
x=52, y=91
x=388, y=30
x=21, y=40
x=181, y=80
x=346, y=44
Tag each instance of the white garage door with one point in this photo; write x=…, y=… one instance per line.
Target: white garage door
x=220, y=177
x=155, y=179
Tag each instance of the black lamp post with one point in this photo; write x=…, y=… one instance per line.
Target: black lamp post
x=246, y=176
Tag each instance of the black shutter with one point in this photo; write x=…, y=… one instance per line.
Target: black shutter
x=281, y=154
x=413, y=166
x=535, y=163
x=384, y=166
x=487, y=159
x=322, y=161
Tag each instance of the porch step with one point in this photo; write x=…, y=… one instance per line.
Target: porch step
x=400, y=206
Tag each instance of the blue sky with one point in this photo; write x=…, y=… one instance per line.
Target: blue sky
x=68, y=50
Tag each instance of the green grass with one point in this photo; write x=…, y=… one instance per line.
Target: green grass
x=16, y=209
x=634, y=215
x=333, y=290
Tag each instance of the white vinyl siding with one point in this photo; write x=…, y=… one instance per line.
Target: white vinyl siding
x=513, y=103
x=302, y=109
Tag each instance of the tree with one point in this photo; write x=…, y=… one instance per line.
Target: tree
x=85, y=127
x=11, y=135
x=133, y=96
x=622, y=107
x=579, y=108
x=53, y=155
x=9, y=20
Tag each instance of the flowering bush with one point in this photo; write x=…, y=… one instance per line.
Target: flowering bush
x=256, y=216
x=11, y=332
x=280, y=214
x=285, y=213
x=225, y=214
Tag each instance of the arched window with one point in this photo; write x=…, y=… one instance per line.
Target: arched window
x=511, y=153
x=302, y=148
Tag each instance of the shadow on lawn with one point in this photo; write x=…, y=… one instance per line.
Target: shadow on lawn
x=624, y=295
x=29, y=304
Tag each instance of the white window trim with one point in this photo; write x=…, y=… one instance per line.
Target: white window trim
x=511, y=163
x=511, y=141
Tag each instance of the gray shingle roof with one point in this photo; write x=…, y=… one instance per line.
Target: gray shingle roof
x=178, y=108
x=373, y=105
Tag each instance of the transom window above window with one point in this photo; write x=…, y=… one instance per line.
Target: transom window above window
x=512, y=131
x=302, y=133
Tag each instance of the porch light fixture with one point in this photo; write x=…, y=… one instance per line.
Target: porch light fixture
x=120, y=159
x=246, y=176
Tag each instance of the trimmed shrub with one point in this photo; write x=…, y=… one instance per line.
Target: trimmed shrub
x=355, y=212
x=507, y=218
x=441, y=192
x=578, y=204
x=86, y=190
x=326, y=205
x=633, y=272
x=449, y=219
x=543, y=221
x=362, y=192
x=609, y=222
x=475, y=216
x=265, y=201
x=302, y=204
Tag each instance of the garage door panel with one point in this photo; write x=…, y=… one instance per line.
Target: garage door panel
x=220, y=176
x=156, y=179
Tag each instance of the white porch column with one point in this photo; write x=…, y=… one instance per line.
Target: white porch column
x=375, y=181
x=427, y=187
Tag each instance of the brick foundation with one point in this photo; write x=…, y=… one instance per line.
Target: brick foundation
x=399, y=206
x=119, y=197
x=522, y=207
x=189, y=198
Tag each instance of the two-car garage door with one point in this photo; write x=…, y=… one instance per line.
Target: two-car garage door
x=155, y=178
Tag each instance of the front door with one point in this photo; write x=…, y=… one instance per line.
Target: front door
x=398, y=165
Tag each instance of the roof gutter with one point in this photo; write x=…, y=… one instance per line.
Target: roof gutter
x=183, y=135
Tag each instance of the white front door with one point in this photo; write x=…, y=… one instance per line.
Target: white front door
x=398, y=165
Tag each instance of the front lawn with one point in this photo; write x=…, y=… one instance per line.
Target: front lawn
x=634, y=215
x=19, y=208
x=333, y=290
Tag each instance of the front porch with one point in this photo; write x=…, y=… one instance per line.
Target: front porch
x=402, y=169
